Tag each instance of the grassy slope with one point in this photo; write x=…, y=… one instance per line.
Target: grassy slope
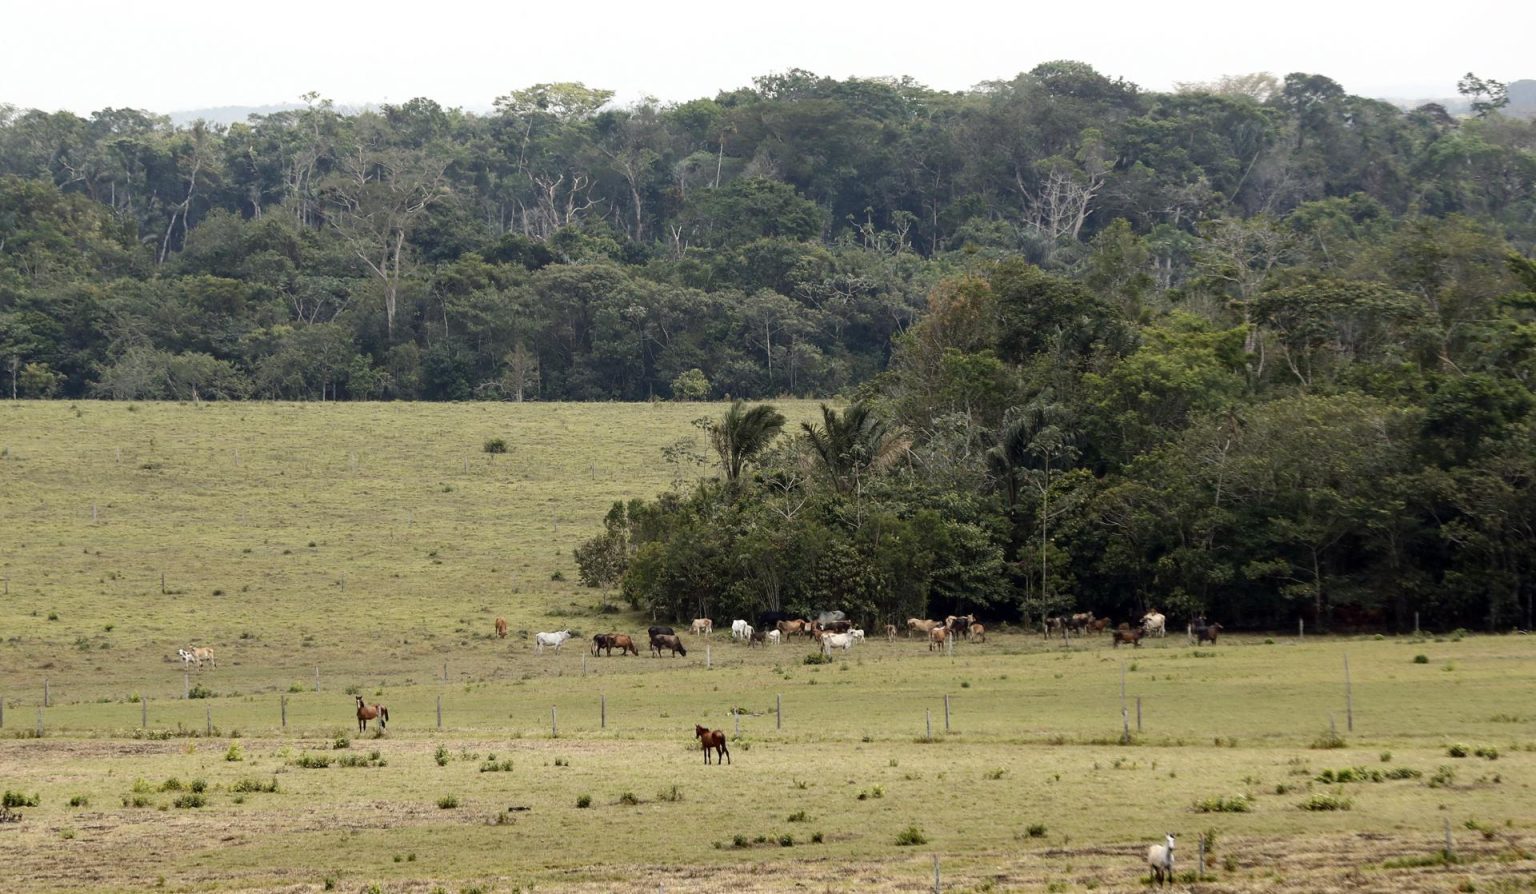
x=431, y=554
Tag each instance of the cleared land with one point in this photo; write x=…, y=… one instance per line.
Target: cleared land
x=353, y=540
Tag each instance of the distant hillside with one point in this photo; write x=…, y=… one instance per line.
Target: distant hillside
x=1522, y=99
x=228, y=114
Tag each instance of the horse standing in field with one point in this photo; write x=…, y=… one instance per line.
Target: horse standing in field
x=501, y=628
x=715, y=739
x=366, y=712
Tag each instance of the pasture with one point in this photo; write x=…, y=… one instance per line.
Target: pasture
x=377, y=544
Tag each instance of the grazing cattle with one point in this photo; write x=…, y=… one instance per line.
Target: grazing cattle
x=978, y=633
x=790, y=627
x=774, y=636
x=1054, y=625
x=668, y=641
x=858, y=634
x=1079, y=621
x=186, y=657
x=1099, y=625
x=919, y=625
x=501, y=628
x=201, y=654
x=702, y=627
x=832, y=641
x=1129, y=636
x=624, y=643
x=756, y=638
x=712, y=739
x=556, y=639
x=656, y=630
x=740, y=629
x=1207, y=632
x=602, y=641
x=936, y=638
x=367, y=712
x=890, y=633
x=1154, y=624
x=1160, y=861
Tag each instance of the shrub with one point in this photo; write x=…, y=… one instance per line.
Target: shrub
x=79, y=801
x=673, y=794
x=243, y=786
x=341, y=742
x=584, y=801
x=447, y=802
x=1330, y=739
x=798, y=816
x=234, y=755
x=190, y=800
x=1487, y=751
x=495, y=445
x=441, y=756
x=817, y=658
x=19, y=799
x=1421, y=659
x=1035, y=830
x=1324, y=801
x=313, y=761
x=786, y=840
x=200, y=691
x=1458, y=750
x=493, y=766
x=910, y=837
x=629, y=798
x=1219, y=804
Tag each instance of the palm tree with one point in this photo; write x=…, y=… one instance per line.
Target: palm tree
x=852, y=444
x=1035, y=439
x=741, y=434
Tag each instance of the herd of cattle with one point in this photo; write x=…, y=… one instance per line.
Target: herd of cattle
x=832, y=630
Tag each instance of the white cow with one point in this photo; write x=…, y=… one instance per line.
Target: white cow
x=858, y=634
x=1154, y=624
x=556, y=639
x=740, y=629
x=774, y=636
x=832, y=641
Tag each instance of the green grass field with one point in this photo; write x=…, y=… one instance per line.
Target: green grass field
x=375, y=544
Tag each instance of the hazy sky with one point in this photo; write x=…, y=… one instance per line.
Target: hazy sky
x=176, y=55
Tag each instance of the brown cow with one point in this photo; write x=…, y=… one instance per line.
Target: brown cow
x=978, y=633
x=936, y=638
x=919, y=625
x=1129, y=636
x=501, y=628
x=789, y=627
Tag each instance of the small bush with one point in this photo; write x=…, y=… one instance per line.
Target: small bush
x=1035, y=830
x=447, y=802
x=441, y=756
x=341, y=742
x=1444, y=776
x=495, y=445
x=798, y=816
x=1421, y=659
x=1329, y=739
x=234, y=754
x=629, y=798
x=1219, y=804
x=310, y=761
x=198, y=690
x=493, y=766
x=911, y=836
x=740, y=841
x=558, y=575
x=1487, y=751
x=171, y=785
x=198, y=785
x=786, y=840
x=190, y=800
x=817, y=658
x=584, y=801
x=243, y=786
x=671, y=795
x=1324, y=801
x=1458, y=750
x=79, y=801
x=19, y=799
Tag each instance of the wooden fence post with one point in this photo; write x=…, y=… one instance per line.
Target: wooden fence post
x=1200, y=866
x=778, y=711
x=554, y=722
x=1349, y=698
x=40, y=727
x=1138, y=713
x=602, y=711
x=946, y=713
x=208, y=719
x=1301, y=629
x=439, y=712
x=708, y=661
x=283, y=707
x=928, y=720
x=1450, y=850
x=2, y=711
x=317, y=679
x=143, y=713
x=46, y=702
x=186, y=685
x=937, y=888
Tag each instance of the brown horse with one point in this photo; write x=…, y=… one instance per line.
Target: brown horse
x=501, y=628
x=712, y=738
x=366, y=712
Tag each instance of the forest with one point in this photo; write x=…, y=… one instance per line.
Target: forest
x=1255, y=347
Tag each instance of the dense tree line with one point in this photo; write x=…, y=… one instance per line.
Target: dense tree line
x=770, y=240
x=1351, y=442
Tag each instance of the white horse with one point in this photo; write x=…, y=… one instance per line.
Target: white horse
x=1160, y=859
x=1154, y=623
x=556, y=639
x=740, y=629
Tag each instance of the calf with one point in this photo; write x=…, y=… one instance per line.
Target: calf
x=1129, y=636
x=756, y=638
x=501, y=628
x=936, y=638
x=702, y=627
x=1207, y=632
x=978, y=633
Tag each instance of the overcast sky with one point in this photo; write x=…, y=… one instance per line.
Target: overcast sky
x=176, y=55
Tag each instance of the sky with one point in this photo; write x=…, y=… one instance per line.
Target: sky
x=175, y=55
